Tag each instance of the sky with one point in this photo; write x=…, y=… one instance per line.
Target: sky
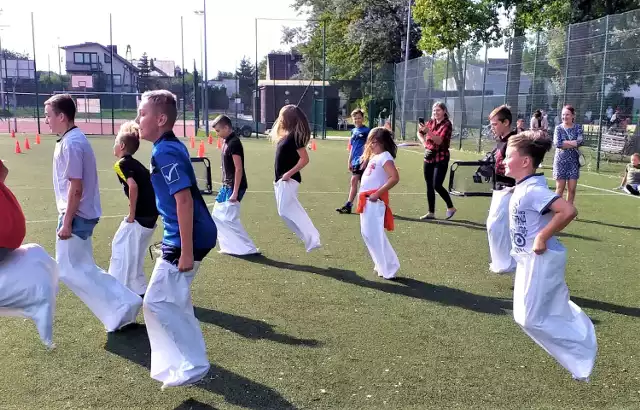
x=148, y=27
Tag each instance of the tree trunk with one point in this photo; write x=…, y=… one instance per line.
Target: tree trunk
x=459, y=78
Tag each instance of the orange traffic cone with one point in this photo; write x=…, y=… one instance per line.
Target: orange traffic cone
x=201, y=150
x=13, y=133
x=26, y=143
x=210, y=139
x=219, y=143
x=18, y=150
x=192, y=142
x=37, y=139
x=349, y=146
x=313, y=145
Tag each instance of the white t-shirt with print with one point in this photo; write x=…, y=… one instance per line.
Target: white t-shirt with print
x=374, y=175
x=529, y=213
x=73, y=158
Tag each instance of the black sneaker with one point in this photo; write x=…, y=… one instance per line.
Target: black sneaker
x=630, y=189
x=344, y=210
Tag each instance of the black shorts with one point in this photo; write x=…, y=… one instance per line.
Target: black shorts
x=357, y=172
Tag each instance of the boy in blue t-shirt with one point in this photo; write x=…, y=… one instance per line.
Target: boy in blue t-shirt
x=189, y=235
x=358, y=139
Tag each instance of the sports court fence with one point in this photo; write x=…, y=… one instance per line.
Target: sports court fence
x=593, y=66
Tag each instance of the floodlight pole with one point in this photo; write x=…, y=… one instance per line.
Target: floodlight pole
x=256, y=89
x=403, y=126
x=113, y=122
x=206, y=79
x=184, y=86
x=35, y=72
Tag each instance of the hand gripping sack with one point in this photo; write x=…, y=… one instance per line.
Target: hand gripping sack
x=541, y=306
x=498, y=233
x=372, y=230
x=28, y=287
x=128, y=250
x=178, y=351
x=232, y=238
x=294, y=215
x=109, y=300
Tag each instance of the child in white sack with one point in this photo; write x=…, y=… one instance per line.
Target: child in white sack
x=541, y=304
x=379, y=176
x=131, y=241
x=232, y=237
x=28, y=275
x=292, y=134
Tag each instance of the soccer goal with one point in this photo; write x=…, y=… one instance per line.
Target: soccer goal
x=472, y=178
x=202, y=169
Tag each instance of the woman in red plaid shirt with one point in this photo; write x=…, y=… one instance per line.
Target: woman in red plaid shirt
x=435, y=136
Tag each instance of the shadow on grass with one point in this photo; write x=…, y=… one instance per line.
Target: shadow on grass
x=606, y=307
x=192, y=404
x=476, y=226
x=589, y=221
x=451, y=222
x=132, y=344
x=250, y=328
x=401, y=286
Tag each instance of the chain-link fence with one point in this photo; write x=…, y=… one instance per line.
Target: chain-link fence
x=593, y=66
x=298, y=71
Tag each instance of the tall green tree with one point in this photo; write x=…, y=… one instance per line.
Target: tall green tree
x=458, y=26
x=246, y=80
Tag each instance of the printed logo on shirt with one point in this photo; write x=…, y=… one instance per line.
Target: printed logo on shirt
x=371, y=168
x=170, y=173
x=519, y=229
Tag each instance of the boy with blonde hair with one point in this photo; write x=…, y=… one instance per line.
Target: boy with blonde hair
x=178, y=351
x=130, y=242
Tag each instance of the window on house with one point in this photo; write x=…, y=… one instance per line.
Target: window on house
x=85, y=58
x=117, y=80
x=107, y=58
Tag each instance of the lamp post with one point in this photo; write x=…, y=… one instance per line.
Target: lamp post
x=202, y=84
x=203, y=13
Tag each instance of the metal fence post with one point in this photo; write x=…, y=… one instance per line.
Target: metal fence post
x=484, y=85
x=533, y=81
x=184, y=86
x=506, y=83
x=35, y=72
x=446, y=78
x=602, y=91
x=566, y=67
x=464, y=85
x=255, y=88
x=324, y=79
x=113, y=123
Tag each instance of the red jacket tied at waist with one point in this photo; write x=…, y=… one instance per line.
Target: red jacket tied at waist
x=388, y=215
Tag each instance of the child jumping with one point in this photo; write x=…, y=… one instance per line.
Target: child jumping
x=132, y=239
x=178, y=351
x=292, y=134
x=232, y=237
x=77, y=194
x=541, y=304
x=28, y=275
x=358, y=139
x=380, y=175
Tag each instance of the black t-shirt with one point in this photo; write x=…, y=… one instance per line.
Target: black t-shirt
x=287, y=157
x=500, y=155
x=129, y=167
x=232, y=146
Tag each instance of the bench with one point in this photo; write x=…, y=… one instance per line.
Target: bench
x=614, y=143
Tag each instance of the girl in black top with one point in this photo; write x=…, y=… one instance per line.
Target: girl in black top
x=291, y=133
